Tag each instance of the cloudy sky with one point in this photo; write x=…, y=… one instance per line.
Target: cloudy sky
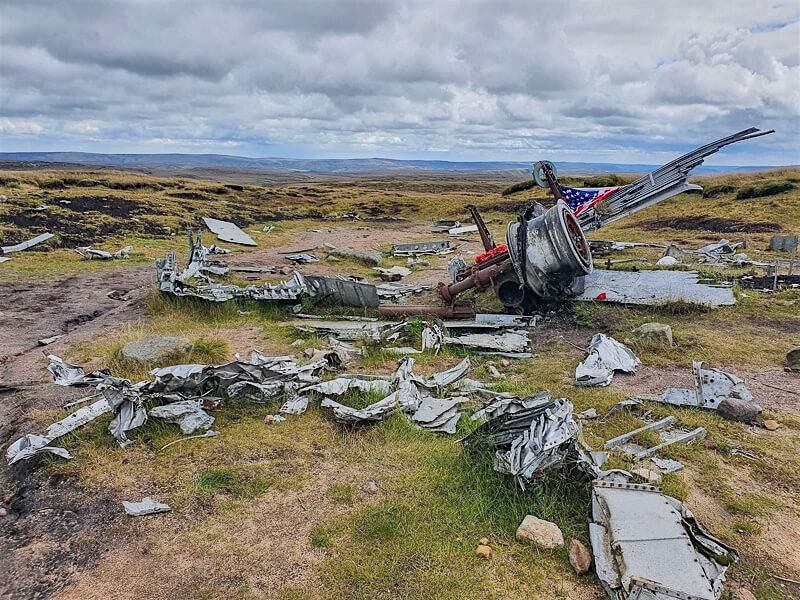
x=567, y=80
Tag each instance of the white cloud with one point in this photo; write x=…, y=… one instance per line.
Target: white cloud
x=624, y=81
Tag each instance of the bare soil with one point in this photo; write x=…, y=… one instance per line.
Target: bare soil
x=718, y=225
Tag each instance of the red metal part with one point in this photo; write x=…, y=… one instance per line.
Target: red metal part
x=491, y=253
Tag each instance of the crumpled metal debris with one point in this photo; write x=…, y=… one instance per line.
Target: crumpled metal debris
x=604, y=356
x=302, y=258
x=147, y=506
x=394, y=291
x=530, y=439
x=187, y=414
x=438, y=414
x=652, y=288
x=395, y=273
x=89, y=252
x=194, y=281
x=648, y=545
x=712, y=387
x=229, y=232
x=532, y=434
x=406, y=392
x=183, y=391
x=30, y=444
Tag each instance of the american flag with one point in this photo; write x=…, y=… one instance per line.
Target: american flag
x=579, y=199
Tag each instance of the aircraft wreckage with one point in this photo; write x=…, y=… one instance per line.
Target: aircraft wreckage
x=545, y=260
x=546, y=256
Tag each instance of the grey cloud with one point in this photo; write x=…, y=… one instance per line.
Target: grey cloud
x=469, y=79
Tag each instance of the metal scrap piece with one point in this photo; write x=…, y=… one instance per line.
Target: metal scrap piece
x=147, y=506
x=186, y=413
x=604, y=356
x=89, y=252
x=372, y=258
x=500, y=405
x=665, y=182
x=29, y=444
x=432, y=338
x=667, y=464
x=296, y=405
x=648, y=545
x=302, y=258
x=509, y=341
x=422, y=248
x=395, y=273
x=462, y=230
x=25, y=245
x=712, y=387
x=342, y=292
x=392, y=290
x=229, y=232
x=342, y=385
x=652, y=288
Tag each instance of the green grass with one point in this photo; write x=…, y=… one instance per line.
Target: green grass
x=238, y=483
x=341, y=493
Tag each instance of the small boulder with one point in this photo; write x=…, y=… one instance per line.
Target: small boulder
x=793, y=359
x=667, y=261
x=153, y=348
x=657, y=334
x=371, y=487
x=3, y=512
x=736, y=409
x=483, y=551
x=771, y=424
x=542, y=533
x=579, y=557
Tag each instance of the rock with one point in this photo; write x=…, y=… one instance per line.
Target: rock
x=667, y=261
x=272, y=419
x=579, y=557
x=771, y=424
x=483, y=551
x=3, y=198
x=371, y=487
x=542, y=533
x=493, y=372
x=154, y=347
x=742, y=593
x=504, y=362
x=655, y=333
x=484, y=541
x=3, y=512
x=736, y=409
x=793, y=359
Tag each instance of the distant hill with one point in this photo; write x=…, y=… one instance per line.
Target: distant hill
x=334, y=166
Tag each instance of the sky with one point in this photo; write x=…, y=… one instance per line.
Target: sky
x=568, y=80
